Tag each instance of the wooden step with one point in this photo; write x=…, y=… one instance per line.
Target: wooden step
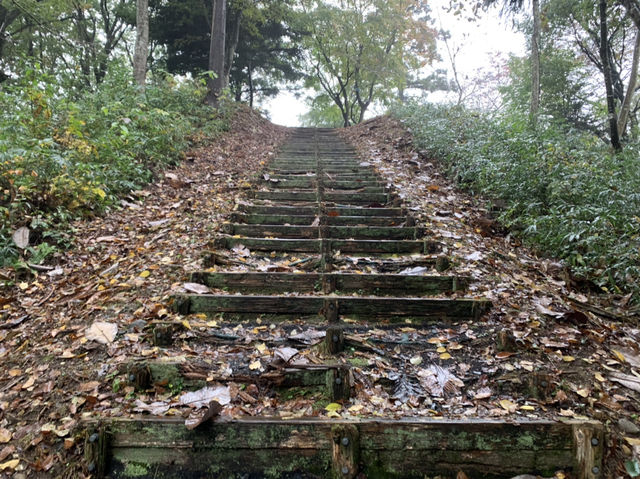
x=332, y=211
x=331, y=245
x=333, y=307
x=316, y=447
x=328, y=220
x=192, y=375
x=302, y=195
x=333, y=232
x=344, y=283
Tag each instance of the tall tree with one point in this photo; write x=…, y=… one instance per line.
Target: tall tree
x=217, y=51
x=263, y=46
x=606, y=62
x=512, y=6
x=625, y=109
x=361, y=51
x=142, y=43
x=633, y=8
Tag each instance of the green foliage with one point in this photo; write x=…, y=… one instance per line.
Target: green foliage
x=361, y=52
x=566, y=192
x=62, y=159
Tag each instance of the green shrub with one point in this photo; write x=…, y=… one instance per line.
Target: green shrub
x=64, y=157
x=566, y=192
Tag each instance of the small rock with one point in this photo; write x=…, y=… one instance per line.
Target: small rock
x=628, y=426
x=138, y=325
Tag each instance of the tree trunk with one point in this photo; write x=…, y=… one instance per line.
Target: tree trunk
x=216, y=52
x=633, y=79
x=535, y=64
x=250, y=69
x=633, y=8
x=231, y=47
x=604, y=56
x=142, y=44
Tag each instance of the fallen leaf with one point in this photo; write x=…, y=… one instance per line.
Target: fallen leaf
x=508, y=405
x=157, y=408
x=632, y=441
x=145, y=274
x=5, y=436
x=102, y=332
x=12, y=464
x=416, y=360
x=334, y=406
x=21, y=237
x=255, y=365
x=285, y=353
x=203, y=397
x=619, y=355
x=196, y=288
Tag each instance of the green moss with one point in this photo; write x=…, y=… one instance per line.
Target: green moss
x=135, y=469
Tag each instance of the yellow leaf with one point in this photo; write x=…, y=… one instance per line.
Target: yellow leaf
x=599, y=377
x=333, y=414
x=186, y=324
x=445, y=356
x=356, y=408
x=100, y=193
x=633, y=441
x=583, y=392
x=619, y=355
x=145, y=273
x=334, y=406
x=507, y=405
x=568, y=359
x=441, y=349
x=14, y=372
x=255, y=365
x=12, y=464
x=527, y=407
x=23, y=286
x=201, y=316
x=212, y=324
x=261, y=348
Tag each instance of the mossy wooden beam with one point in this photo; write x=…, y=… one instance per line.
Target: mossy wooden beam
x=307, y=220
x=366, y=308
x=333, y=211
x=333, y=232
x=378, y=284
x=377, y=449
x=317, y=246
x=145, y=374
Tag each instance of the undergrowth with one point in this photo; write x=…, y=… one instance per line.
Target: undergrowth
x=72, y=155
x=566, y=193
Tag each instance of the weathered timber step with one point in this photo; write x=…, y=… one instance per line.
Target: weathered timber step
x=347, y=198
x=353, y=173
x=326, y=220
x=332, y=245
x=377, y=449
x=314, y=210
x=337, y=184
x=334, y=232
x=333, y=307
x=333, y=380
x=378, y=284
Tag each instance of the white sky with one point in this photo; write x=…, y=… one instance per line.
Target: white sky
x=478, y=40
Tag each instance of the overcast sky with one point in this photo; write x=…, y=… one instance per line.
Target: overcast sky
x=479, y=41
